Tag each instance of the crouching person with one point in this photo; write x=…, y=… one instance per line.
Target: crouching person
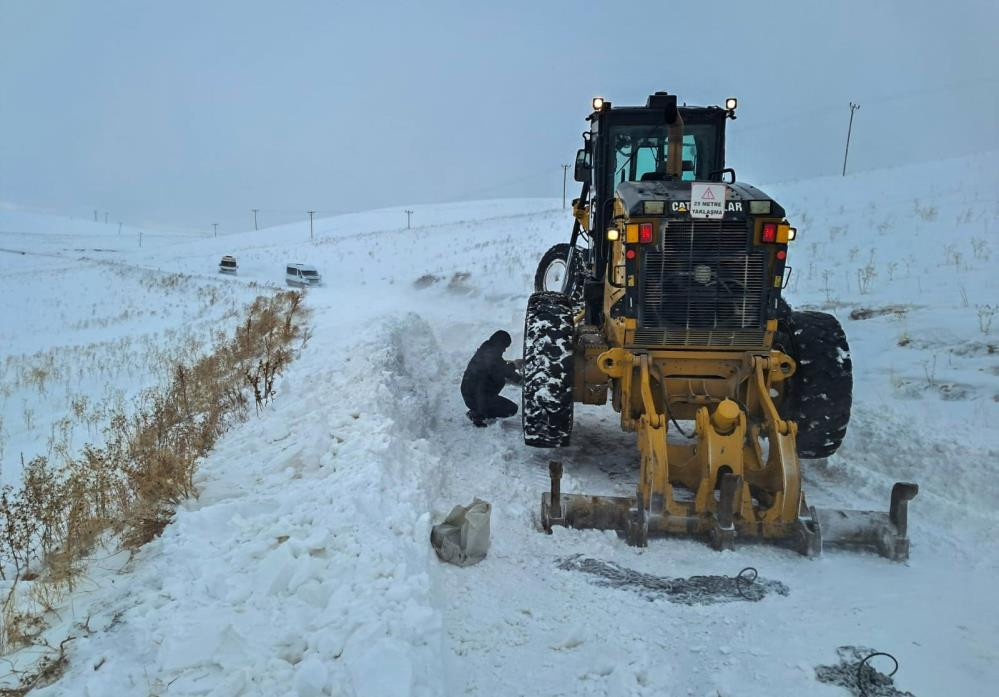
x=485, y=376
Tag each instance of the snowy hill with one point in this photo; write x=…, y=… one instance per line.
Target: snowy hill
x=304, y=567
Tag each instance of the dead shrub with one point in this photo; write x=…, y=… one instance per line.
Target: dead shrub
x=130, y=486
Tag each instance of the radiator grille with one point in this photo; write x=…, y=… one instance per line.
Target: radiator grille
x=703, y=285
x=721, y=338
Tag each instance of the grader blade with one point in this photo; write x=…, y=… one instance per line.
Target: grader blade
x=636, y=524
x=584, y=512
x=885, y=532
x=581, y=512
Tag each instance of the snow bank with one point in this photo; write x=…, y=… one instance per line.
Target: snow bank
x=302, y=569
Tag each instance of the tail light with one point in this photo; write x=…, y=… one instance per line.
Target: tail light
x=769, y=233
x=644, y=233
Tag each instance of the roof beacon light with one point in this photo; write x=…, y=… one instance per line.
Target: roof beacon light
x=598, y=103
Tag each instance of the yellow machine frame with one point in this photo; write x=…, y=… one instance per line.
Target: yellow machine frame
x=739, y=474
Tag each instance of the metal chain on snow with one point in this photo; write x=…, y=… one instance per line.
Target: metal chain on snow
x=860, y=670
x=743, y=578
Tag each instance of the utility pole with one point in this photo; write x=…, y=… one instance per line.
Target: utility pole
x=409, y=219
x=849, y=130
x=119, y=227
x=565, y=173
x=105, y=217
x=215, y=229
x=311, y=213
x=95, y=215
x=255, y=218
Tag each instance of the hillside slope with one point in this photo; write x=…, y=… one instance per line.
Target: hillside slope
x=304, y=566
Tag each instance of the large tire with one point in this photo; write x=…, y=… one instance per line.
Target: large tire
x=551, y=270
x=820, y=393
x=546, y=409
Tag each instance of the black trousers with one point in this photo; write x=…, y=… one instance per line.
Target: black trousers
x=493, y=406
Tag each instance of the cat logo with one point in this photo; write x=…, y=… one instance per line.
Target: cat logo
x=730, y=207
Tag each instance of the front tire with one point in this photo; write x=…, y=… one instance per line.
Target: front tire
x=820, y=393
x=547, y=406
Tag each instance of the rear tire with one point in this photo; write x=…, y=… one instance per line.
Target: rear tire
x=552, y=268
x=547, y=407
x=820, y=393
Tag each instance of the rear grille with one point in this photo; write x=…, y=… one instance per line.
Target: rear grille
x=704, y=285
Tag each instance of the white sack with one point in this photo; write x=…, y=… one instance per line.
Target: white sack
x=463, y=537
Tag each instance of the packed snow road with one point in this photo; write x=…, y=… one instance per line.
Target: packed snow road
x=304, y=567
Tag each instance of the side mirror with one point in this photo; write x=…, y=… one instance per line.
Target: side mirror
x=582, y=171
x=728, y=170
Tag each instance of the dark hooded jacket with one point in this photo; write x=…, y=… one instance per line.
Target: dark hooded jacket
x=487, y=373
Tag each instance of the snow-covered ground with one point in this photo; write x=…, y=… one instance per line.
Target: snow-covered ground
x=304, y=566
x=87, y=327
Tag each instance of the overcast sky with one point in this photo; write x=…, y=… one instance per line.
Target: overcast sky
x=187, y=113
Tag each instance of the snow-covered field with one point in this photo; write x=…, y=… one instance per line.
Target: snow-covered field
x=88, y=325
x=304, y=566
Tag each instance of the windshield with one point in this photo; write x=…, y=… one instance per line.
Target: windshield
x=639, y=152
x=309, y=272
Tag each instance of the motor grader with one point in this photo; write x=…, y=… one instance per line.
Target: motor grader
x=667, y=304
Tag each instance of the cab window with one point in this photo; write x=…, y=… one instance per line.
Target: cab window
x=689, y=155
x=640, y=152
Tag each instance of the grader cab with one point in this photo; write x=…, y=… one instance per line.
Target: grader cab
x=668, y=305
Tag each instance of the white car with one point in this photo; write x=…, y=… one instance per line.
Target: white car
x=228, y=265
x=302, y=275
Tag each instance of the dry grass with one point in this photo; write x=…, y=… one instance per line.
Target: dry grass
x=128, y=488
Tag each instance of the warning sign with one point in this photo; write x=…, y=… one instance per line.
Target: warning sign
x=707, y=200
